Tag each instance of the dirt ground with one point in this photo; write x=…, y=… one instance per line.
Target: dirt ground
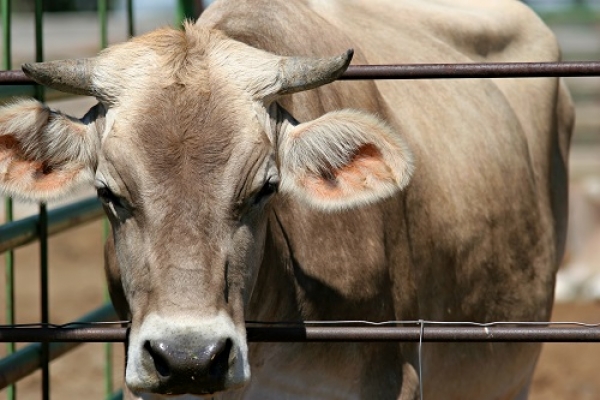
x=565, y=371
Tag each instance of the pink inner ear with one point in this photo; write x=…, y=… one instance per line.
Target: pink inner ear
x=39, y=178
x=31, y=177
x=9, y=147
x=51, y=180
x=365, y=169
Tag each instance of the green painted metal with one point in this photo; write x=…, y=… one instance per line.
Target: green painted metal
x=5, y=8
x=108, y=366
x=24, y=231
x=130, y=19
x=7, y=91
x=186, y=9
x=27, y=360
x=103, y=18
x=9, y=262
x=109, y=385
x=117, y=396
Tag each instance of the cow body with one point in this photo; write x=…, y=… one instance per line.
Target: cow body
x=476, y=235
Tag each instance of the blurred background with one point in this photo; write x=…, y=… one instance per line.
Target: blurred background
x=71, y=28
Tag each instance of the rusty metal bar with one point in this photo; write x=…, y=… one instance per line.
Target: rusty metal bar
x=474, y=70
x=331, y=334
x=15, y=77
x=429, y=71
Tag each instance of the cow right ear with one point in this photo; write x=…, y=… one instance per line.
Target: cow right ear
x=343, y=159
x=44, y=154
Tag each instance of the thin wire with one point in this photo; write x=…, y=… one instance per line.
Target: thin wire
x=418, y=322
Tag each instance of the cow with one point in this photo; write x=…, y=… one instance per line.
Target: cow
x=243, y=184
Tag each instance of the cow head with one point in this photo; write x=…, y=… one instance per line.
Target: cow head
x=186, y=148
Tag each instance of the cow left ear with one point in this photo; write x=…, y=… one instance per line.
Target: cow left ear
x=44, y=154
x=343, y=159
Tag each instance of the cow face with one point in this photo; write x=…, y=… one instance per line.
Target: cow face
x=187, y=148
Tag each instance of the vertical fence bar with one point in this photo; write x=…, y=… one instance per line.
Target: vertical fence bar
x=103, y=19
x=11, y=391
x=108, y=349
x=130, y=19
x=43, y=219
x=185, y=10
x=44, y=297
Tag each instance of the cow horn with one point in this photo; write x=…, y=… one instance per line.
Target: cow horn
x=72, y=76
x=297, y=74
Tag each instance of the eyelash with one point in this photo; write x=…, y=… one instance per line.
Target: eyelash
x=107, y=197
x=268, y=189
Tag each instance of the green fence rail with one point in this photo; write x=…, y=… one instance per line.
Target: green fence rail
x=20, y=363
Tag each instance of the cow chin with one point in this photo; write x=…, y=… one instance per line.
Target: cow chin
x=173, y=356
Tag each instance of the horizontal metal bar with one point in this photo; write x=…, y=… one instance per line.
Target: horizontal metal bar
x=15, y=77
x=117, y=396
x=473, y=70
x=430, y=334
x=332, y=334
x=23, y=231
x=44, y=335
x=429, y=71
x=7, y=91
x=27, y=360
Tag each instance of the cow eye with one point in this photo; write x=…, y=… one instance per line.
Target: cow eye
x=107, y=196
x=116, y=204
x=269, y=188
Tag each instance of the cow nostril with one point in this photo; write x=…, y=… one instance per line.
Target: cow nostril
x=219, y=363
x=178, y=366
x=158, y=357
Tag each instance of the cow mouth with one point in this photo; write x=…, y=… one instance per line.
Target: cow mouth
x=173, y=356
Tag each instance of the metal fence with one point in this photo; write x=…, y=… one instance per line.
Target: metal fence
x=53, y=341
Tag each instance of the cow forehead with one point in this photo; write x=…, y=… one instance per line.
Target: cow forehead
x=196, y=57
x=169, y=117
x=126, y=72
x=186, y=144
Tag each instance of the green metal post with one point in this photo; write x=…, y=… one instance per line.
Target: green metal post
x=11, y=392
x=43, y=221
x=39, y=43
x=130, y=20
x=185, y=10
x=108, y=350
x=103, y=18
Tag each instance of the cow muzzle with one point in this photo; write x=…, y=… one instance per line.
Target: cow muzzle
x=183, y=370
x=180, y=357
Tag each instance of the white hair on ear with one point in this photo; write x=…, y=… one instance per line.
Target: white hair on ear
x=344, y=159
x=44, y=154
x=45, y=134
